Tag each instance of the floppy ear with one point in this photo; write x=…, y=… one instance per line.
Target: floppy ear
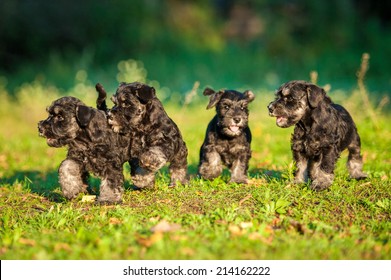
x=145, y=93
x=249, y=95
x=84, y=115
x=214, y=97
x=315, y=95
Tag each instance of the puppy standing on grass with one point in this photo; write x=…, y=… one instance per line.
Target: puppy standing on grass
x=92, y=147
x=228, y=136
x=322, y=131
x=155, y=138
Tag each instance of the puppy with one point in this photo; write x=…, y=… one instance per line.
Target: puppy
x=322, y=131
x=92, y=147
x=228, y=137
x=154, y=138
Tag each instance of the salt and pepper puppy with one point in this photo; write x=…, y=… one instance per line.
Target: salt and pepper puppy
x=154, y=138
x=322, y=131
x=92, y=147
x=228, y=137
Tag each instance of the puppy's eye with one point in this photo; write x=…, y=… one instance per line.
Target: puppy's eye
x=226, y=107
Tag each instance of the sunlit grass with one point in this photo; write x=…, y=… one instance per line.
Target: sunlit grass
x=268, y=219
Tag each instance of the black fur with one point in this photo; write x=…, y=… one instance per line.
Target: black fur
x=92, y=147
x=322, y=131
x=154, y=138
x=228, y=137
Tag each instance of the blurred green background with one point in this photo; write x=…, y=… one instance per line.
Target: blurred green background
x=220, y=43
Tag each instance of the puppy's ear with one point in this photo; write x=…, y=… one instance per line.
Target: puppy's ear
x=145, y=93
x=315, y=95
x=214, y=97
x=84, y=115
x=249, y=95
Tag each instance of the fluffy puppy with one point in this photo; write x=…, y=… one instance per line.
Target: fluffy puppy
x=92, y=147
x=154, y=138
x=322, y=131
x=228, y=137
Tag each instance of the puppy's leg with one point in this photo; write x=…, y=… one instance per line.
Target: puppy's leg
x=72, y=178
x=210, y=166
x=301, y=172
x=322, y=170
x=178, y=167
x=111, y=188
x=354, y=163
x=150, y=161
x=239, y=171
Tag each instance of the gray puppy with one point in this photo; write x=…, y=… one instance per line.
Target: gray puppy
x=154, y=137
x=92, y=147
x=228, y=137
x=322, y=131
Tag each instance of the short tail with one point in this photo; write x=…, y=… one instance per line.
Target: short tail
x=101, y=100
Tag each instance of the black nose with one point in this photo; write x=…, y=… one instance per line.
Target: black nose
x=237, y=120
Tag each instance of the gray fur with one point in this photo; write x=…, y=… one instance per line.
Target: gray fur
x=322, y=131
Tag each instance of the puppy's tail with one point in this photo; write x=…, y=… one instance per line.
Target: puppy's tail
x=101, y=100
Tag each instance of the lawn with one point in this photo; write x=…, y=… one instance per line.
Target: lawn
x=270, y=218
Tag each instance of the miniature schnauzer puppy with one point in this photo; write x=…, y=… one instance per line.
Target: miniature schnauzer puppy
x=322, y=131
x=228, y=137
x=154, y=138
x=92, y=147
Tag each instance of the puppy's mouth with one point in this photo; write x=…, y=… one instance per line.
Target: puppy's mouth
x=281, y=121
x=234, y=128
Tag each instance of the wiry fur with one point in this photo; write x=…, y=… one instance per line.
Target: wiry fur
x=228, y=137
x=154, y=138
x=322, y=131
x=92, y=147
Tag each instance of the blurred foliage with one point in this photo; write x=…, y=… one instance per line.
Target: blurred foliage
x=224, y=43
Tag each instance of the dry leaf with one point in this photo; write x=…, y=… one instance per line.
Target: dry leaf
x=115, y=221
x=149, y=241
x=164, y=226
x=26, y=241
x=245, y=225
x=247, y=197
x=235, y=230
x=62, y=246
x=88, y=198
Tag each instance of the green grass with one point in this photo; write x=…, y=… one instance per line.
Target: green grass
x=268, y=219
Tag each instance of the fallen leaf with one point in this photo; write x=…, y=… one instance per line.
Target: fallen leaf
x=235, y=230
x=62, y=246
x=150, y=240
x=26, y=241
x=164, y=226
x=245, y=225
x=88, y=198
x=115, y=221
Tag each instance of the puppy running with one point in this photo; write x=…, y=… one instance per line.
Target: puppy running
x=92, y=147
x=228, y=137
x=154, y=138
x=322, y=131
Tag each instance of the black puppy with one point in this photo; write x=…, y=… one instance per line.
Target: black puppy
x=154, y=137
x=322, y=131
x=228, y=136
x=92, y=147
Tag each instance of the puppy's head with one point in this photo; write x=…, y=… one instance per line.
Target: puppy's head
x=294, y=100
x=130, y=106
x=67, y=116
x=232, y=109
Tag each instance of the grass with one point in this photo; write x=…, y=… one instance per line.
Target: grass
x=268, y=219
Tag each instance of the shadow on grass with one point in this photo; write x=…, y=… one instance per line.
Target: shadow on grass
x=46, y=183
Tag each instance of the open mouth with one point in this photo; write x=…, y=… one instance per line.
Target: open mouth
x=281, y=119
x=234, y=128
